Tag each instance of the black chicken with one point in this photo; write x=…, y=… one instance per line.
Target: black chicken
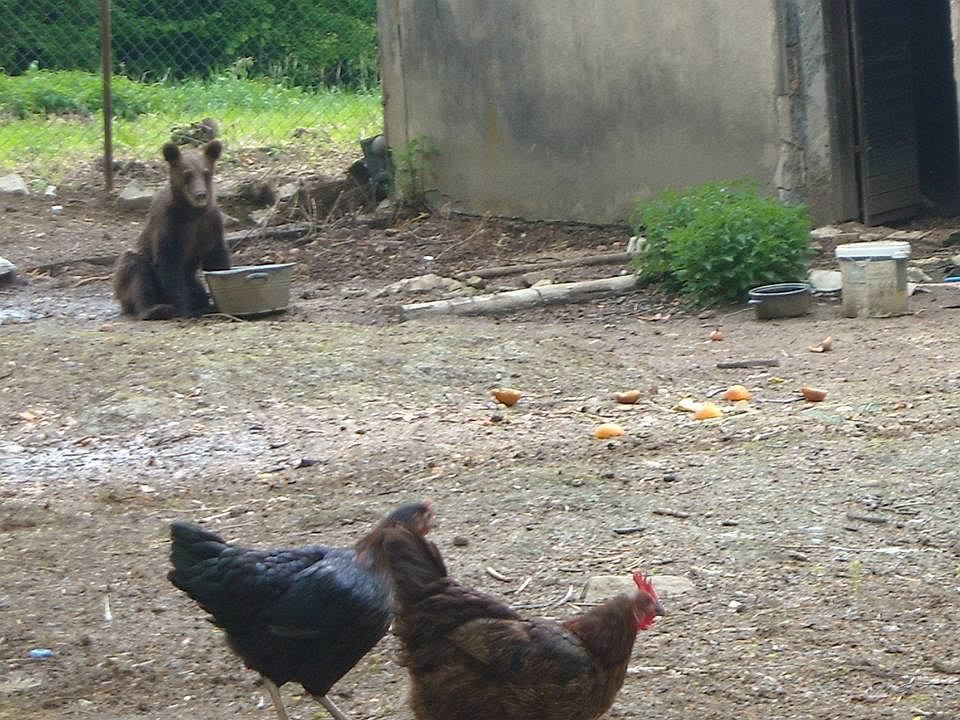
x=301, y=614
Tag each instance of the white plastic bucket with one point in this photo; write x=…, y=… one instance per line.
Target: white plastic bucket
x=874, y=278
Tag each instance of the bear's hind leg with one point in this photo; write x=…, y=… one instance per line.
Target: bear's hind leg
x=136, y=288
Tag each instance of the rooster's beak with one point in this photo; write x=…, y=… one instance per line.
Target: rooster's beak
x=658, y=610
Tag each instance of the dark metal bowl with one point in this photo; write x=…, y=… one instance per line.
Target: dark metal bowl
x=783, y=300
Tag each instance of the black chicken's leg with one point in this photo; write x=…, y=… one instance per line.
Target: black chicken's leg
x=277, y=700
x=332, y=709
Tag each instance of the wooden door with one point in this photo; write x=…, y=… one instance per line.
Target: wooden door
x=884, y=100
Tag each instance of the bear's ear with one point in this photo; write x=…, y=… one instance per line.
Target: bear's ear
x=171, y=152
x=213, y=149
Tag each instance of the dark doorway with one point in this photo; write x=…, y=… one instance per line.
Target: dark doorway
x=898, y=110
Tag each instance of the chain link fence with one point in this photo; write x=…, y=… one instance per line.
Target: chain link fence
x=273, y=79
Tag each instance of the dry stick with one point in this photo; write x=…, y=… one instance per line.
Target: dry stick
x=671, y=513
x=497, y=575
x=734, y=364
x=486, y=273
x=60, y=264
x=289, y=230
x=88, y=280
x=875, y=519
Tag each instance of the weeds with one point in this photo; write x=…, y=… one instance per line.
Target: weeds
x=410, y=164
x=52, y=118
x=714, y=242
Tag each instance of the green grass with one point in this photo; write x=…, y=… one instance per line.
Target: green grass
x=50, y=120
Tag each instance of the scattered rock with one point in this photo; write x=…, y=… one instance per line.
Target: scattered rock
x=134, y=197
x=262, y=217
x=672, y=585
x=953, y=238
x=827, y=232
x=8, y=271
x=907, y=235
x=825, y=281
x=636, y=244
x=285, y=192
x=603, y=587
x=13, y=185
x=916, y=275
x=539, y=277
x=420, y=284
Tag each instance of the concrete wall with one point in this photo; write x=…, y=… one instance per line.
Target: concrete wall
x=560, y=109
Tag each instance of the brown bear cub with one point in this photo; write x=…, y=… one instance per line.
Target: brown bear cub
x=184, y=232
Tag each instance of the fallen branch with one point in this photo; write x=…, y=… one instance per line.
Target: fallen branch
x=289, y=230
x=512, y=300
x=61, y=264
x=504, y=270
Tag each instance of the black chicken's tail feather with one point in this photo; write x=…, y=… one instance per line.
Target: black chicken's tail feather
x=415, y=564
x=194, y=553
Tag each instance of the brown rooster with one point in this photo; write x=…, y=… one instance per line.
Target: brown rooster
x=305, y=615
x=470, y=657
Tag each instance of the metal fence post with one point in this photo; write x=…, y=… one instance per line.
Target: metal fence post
x=106, y=60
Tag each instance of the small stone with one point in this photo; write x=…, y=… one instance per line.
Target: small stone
x=916, y=275
x=460, y=541
x=636, y=244
x=262, y=217
x=285, y=192
x=420, y=284
x=953, y=238
x=604, y=587
x=826, y=232
x=825, y=281
x=539, y=278
x=8, y=271
x=13, y=185
x=907, y=235
x=134, y=197
x=672, y=585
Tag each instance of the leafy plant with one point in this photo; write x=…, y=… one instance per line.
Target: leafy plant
x=410, y=164
x=714, y=242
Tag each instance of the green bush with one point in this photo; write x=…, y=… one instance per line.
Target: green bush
x=714, y=242
x=71, y=92
x=313, y=45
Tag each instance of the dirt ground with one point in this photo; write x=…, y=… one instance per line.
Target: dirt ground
x=821, y=540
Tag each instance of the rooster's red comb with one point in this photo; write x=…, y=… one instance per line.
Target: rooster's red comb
x=643, y=582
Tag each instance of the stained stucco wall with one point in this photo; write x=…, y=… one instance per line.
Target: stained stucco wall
x=564, y=109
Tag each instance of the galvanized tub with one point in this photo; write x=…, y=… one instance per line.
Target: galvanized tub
x=250, y=290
